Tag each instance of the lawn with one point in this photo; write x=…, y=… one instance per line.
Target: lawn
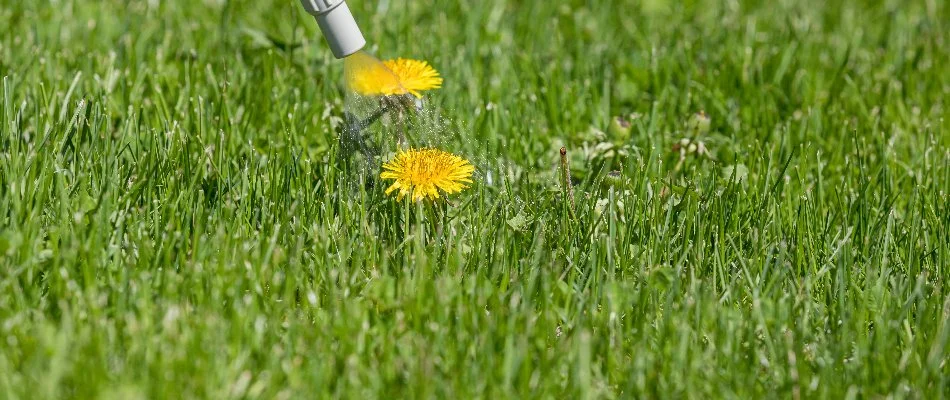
x=757, y=205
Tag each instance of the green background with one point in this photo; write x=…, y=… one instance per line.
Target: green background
x=176, y=221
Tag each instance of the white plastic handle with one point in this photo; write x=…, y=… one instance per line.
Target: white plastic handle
x=337, y=24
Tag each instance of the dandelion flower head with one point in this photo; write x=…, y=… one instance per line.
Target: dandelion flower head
x=370, y=77
x=422, y=173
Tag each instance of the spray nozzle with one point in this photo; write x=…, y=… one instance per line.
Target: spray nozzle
x=337, y=24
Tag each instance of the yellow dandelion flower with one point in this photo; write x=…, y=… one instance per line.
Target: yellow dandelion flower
x=421, y=173
x=370, y=77
x=415, y=76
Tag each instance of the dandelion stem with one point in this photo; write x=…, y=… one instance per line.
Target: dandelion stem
x=357, y=126
x=354, y=131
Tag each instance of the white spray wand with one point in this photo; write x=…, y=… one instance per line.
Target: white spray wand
x=337, y=24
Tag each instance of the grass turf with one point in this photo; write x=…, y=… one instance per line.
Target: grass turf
x=176, y=224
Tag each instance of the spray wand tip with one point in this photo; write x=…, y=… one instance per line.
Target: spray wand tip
x=337, y=24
